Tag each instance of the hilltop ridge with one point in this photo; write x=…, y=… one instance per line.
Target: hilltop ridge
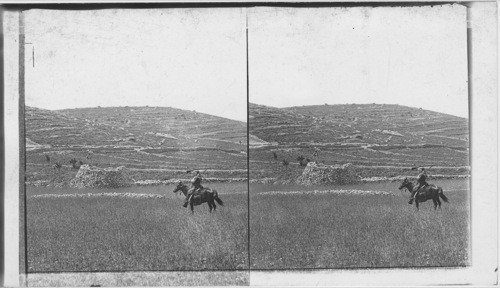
x=155, y=142
x=380, y=139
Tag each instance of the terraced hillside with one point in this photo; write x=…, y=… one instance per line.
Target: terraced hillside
x=155, y=143
x=380, y=140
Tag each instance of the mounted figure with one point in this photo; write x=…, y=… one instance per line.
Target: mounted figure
x=421, y=181
x=198, y=197
x=424, y=193
x=195, y=187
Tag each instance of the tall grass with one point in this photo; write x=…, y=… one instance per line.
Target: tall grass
x=341, y=231
x=123, y=234
x=286, y=231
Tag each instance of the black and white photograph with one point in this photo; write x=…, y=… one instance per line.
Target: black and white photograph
x=284, y=144
x=136, y=141
x=352, y=110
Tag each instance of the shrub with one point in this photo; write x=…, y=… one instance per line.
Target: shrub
x=300, y=158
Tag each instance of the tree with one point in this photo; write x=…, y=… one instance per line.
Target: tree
x=303, y=161
x=300, y=159
x=76, y=164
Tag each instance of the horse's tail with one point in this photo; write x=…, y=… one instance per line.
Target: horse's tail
x=219, y=201
x=216, y=198
x=440, y=192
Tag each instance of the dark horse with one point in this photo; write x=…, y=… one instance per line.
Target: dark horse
x=205, y=195
x=427, y=192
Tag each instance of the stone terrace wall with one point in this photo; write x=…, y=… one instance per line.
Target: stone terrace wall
x=94, y=177
x=318, y=174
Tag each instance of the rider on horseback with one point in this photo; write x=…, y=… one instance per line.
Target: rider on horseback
x=196, y=186
x=421, y=180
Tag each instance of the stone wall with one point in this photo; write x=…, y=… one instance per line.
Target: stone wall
x=94, y=177
x=319, y=174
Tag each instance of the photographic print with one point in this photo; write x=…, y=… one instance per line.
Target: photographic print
x=250, y=144
x=359, y=149
x=136, y=141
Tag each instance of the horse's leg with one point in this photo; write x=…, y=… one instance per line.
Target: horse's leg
x=213, y=204
x=209, y=206
x=192, y=207
x=435, y=203
x=416, y=203
x=438, y=201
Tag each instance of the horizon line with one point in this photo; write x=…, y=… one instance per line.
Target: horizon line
x=339, y=104
x=134, y=106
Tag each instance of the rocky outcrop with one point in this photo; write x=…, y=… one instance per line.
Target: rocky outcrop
x=94, y=177
x=318, y=174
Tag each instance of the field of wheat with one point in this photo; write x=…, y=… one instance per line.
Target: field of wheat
x=134, y=229
x=358, y=226
x=146, y=228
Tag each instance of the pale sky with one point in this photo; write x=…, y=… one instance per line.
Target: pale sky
x=412, y=56
x=195, y=59
x=191, y=59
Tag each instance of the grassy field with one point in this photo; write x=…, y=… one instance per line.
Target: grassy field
x=290, y=227
x=129, y=233
x=340, y=230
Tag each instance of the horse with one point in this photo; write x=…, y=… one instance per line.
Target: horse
x=425, y=193
x=205, y=195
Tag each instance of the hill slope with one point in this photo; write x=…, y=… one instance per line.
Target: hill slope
x=154, y=142
x=381, y=140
